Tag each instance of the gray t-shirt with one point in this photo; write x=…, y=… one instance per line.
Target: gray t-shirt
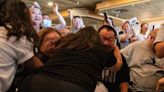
x=143, y=65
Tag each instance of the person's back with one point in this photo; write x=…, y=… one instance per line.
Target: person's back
x=77, y=62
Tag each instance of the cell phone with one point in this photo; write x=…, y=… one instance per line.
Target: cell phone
x=121, y=32
x=105, y=17
x=152, y=28
x=160, y=73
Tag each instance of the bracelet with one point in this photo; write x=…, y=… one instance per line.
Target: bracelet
x=42, y=57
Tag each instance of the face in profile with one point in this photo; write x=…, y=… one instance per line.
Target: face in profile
x=36, y=15
x=48, y=43
x=107, y=37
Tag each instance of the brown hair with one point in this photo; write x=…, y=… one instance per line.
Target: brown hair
x=15, y=17
x=85, y=39
x=43, y=32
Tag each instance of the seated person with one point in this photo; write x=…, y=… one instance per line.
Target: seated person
x=159, y=47
x=145, y=67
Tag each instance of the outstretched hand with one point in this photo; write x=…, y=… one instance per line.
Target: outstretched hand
x=55, y=8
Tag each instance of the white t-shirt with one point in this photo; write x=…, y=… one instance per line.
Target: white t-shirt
x=143, y=64
x=12, y=53
x=141, y=37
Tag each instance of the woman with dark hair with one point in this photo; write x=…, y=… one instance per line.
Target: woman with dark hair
x=16, y=38
x=75, y=65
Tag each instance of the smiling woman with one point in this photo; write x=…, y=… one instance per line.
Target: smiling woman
x=36, y=15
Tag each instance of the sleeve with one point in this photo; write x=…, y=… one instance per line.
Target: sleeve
x=127, y=51
x=24, y=50
x=59, y=27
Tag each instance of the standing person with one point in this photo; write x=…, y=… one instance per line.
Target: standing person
x=16, y=38
x=143, y=35
x=109, y=21
x=127, y=35
x=77, y=24
x=47, y=22
x=114, y=81
x=75, y=65
x=36, y=15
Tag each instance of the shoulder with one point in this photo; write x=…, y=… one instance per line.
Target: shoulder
x=3, y=32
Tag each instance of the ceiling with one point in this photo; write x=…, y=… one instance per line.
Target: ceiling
x=119, y=10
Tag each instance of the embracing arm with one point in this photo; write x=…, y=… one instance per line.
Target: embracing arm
x=118, y=57
x=33, y=63
x=124, y=86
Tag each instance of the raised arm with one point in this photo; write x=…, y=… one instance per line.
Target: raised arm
x=62, y=23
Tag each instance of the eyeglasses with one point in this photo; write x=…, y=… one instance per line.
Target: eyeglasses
x=109, y=38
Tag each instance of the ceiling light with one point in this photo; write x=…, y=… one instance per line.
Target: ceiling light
x=50, y=4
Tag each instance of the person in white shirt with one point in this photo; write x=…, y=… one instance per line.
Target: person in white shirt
x=16, y=38
x=143, y=35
